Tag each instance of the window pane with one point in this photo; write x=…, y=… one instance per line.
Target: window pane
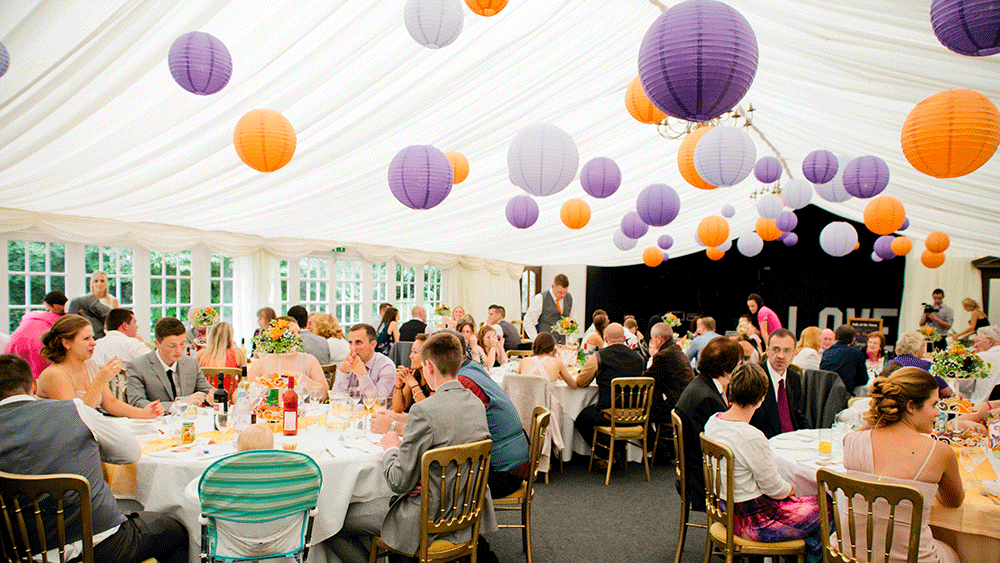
x=156, y=291
x=227, y=291
x=184, y=263
x=284, y=291
x=125, y=291
x=15, y=255
x=15, y=286
x=15, y=319
x=170, y=290
x=185, y=291
x=216, y=291
x=36, y=258
x=110, y=255
x=283, y=267
x=155, y=264
x=170, y=264
x=57, y=257
x=227, y=267
x=57, y=283
x=216, y=267
x=303, y=291
x=91, y=261
x=37, y=289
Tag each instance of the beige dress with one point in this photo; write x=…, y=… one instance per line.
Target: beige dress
x=91, y=367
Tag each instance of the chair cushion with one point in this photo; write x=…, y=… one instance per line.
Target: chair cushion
x=514, y=498
x=440, y=545
x=719, y=533
x=623, y=431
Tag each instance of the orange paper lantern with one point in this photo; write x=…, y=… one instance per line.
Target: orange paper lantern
x=714, y=253
x=766, y=230
x=652, y=256
x=685, y=159
x=932, y=259
x=264, y=140
x=459, y=164
x=713, y=231
x=639, y=106
x=901, y=246
x=575, y=213
x=884, y=214
x=486, y=7
x=937, y=242
x=951, y=133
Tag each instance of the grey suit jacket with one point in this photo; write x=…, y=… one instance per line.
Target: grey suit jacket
x=317, y=346
x=90, y=308
x=452, y=415
x=147, y=381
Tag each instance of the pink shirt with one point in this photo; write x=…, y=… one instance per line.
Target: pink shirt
x=767, y=315
x=26, y=340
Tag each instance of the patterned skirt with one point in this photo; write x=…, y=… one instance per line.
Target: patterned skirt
x=765, y=519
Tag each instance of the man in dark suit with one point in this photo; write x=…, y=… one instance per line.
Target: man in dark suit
x=496, y=317
x=409, y=330
x=167, y=372
x=781, y=410
x=846, y=360
x=671, y=370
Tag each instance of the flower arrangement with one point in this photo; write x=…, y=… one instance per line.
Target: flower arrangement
x=442, y=310
x=959, y=362
x=566, y=326
x=929, y=334
x=204, y=316
x=277, y=338
x=671, y=319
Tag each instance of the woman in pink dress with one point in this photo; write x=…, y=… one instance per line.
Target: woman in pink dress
x=766, y=319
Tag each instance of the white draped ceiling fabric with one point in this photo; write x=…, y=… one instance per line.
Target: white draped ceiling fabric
x=95, y=136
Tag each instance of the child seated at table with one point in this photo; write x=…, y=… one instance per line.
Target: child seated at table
x=255, y=437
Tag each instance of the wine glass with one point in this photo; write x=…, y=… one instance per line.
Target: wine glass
x=971, y=457
x=223, y=421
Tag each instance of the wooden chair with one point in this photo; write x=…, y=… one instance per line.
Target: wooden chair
x=668, y=437
x=330, y=371
x=631, y=398
x=678, y=428
x=231, y=378
x=520, y=328
x=863, y=495
x=119, y=385
x=720, y=539
x=521, y=499
x=462, y=498
x=519, y=353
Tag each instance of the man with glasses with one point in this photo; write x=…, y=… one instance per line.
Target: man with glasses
x=780, y=412
x=167, y=373
x=847, y=361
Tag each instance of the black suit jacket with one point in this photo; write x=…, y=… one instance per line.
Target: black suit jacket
x=672, y=372
x=766, y=418
x=697, y=403
x=409, y=330
x=848, y=362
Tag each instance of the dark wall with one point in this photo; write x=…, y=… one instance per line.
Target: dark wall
x=802, y=276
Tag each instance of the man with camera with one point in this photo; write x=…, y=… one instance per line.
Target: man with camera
x=939, y=316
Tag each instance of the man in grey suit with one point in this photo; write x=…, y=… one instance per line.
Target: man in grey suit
x=452, y=415
x=167, y=373
x=315, y=345
x=548, y=307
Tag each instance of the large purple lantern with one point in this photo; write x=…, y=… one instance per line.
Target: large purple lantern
x=866, y=176
x=658, y=204
x=200, y=63
x=820, y=166
x=967, y=27
x=420, y=176
x=698, y=59
x=600, y=177
x=632, y=225
x=522, y=211
x=767, y=169
x=623, y=242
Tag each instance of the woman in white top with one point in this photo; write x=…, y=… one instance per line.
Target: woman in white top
x=595, y=339
x=326, y=326
x=544, y=362
x=765, y=507
x=807, y=354
x=99, y=287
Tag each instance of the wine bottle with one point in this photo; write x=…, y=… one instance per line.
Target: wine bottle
x=221, y=396
x=291, y=413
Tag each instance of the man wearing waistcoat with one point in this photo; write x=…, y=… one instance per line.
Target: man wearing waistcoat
x=76, y=439
x=548, y=307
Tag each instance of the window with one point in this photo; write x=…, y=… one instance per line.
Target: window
x=33, y=270
x=169, y=285
x=314, y=284
x=221, y=280
x=380, y=287
x=432, y=292
x=283, y=276
x=117, y=264
x=530, y=286
x=406, y=291
x=349, y=294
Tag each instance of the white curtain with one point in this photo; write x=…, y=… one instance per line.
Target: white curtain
x=957, y=277
x=476, y=290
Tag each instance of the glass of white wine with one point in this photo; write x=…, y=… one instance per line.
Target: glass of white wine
x=970, y=458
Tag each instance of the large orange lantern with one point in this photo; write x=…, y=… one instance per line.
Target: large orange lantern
x=486, y=7
x=575, y=213
x=685, y=159
x=264, y=140
x=901, y=246
x=937, y=242
x=652, y=256
x=932, y=259
x=714, y=253
x=884, y=215
x=639, y=106
x=459, y=164
x=951, y=133
x=766, y=230
x=713, y=231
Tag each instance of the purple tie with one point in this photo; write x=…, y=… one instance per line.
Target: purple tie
x=783, y=413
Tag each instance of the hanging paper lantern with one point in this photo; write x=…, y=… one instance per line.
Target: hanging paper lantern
x=876, y=257
x=600, y=177
x=967, y=27
x=623, y=242
x=932, y=259
x=486, y=8
x=433, y=23
x=725, y=246
x=665, y=241
x=698, y=240
x=725, y=156
x=522, y=211
x=264, y=140
x=542, y=159
x=906, y=225
x=937, y=242
x=838, y=238
x=866, y=176
x=459, y=165
x=714, y=253
x=796, y=193
x=767, y=169
x=698, y=59
x=728, y=210
x=658, y=204
x=200, y=63
x=884, y=214
x=901, y=246
x=639, y=106
x=713, y=230
x=769, y=206
x=951, y=133
x=786, y=221
x=575, y=213
x=883, y=247
x=820, y=166
x=833, y=190
x=633, y=226
x=750, y=244
x=420, y=176
x=666, y=257
x=652, y=256
x=685, y=159
x=766, y=229
x=791, y=240
x=4, y=59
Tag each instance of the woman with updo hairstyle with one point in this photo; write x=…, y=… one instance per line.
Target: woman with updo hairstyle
x=765, y=508
x=895, y=446
x=544, y=362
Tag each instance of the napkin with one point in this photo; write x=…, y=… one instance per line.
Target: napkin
x=183, y=449
x=993, y=487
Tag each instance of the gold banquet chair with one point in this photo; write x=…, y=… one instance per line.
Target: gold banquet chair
x=631, y=398
x=330, y=372
x=522, y=498
x=462, y=501
x=720, y=539
x=864, y=494
x=680, y=455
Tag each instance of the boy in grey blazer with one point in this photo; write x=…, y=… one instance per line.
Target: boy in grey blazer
x=148, y=377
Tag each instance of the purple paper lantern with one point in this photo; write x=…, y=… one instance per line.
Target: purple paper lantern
x=767, y=169
x=665, y=257
x=820, y=166
x=967, y=27
x=750, y=244
x=200, y=63
x=769, y=206
x=782, y=236
x=786, y=221
x=833, y=190
x=658, y=204
x=4, y=59
x=600, y=177
x=728, y=210
x=791, y=240
x=632, y=225
x=883, y=247
x=725, y=156
x=866, y=176
x=905, y=225
x=542, y=159
x=522, y=211
x=623, y=242
x=838, y=238
x=665, y=242
x=697, y=60
x=796, y=193
x=420, y=176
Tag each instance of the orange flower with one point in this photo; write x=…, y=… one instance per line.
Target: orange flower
x=275, y=333
x=281, y=323
x=208, y=310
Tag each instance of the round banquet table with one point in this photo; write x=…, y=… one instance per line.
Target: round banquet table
x=972, y=529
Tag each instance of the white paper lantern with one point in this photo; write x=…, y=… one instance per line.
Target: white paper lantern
x=623, y=242
x=876, y=257
x=796, y=193
x=434, y=23
x=725, y=156
x=769, y=206
x=750, y=244
x=542, y=159
x=834, y=189
x=725, y=246
x=838, y=238
x=728, y=210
